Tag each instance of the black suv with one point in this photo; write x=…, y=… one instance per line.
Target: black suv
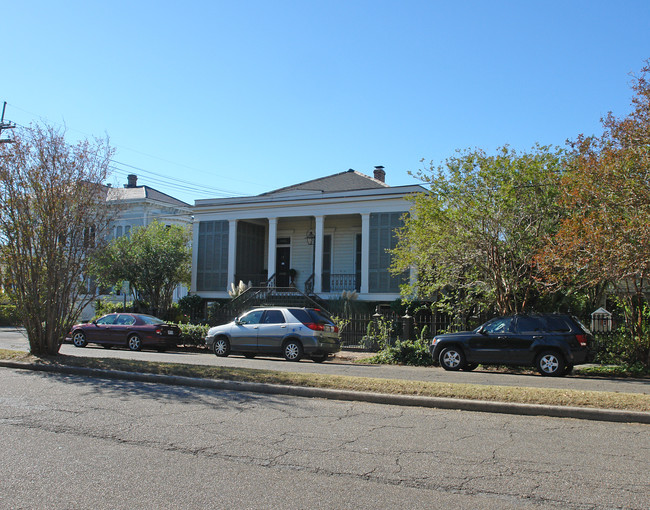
x=552, y=343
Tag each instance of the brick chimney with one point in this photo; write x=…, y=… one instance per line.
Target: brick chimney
x=380, y=175
x=132, y=181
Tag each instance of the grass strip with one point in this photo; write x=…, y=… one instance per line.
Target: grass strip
x=523, y=395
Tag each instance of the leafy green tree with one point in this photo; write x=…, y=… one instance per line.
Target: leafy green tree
x=153, y=259
x=53, y=216
x=472, y=237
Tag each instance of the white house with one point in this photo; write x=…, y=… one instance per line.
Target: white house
x=138, y=206
x=332, y=233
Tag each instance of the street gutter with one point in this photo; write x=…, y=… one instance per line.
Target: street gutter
x=582, y=413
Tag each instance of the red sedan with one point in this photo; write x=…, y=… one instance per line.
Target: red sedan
x=133, y=330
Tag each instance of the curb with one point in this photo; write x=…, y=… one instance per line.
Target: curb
x=581, y=413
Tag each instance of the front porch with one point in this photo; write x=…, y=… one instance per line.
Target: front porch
x=319, y=255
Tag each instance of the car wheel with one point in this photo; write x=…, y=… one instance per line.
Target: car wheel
x=470, y=366
x=134, y=343
x=319, y=358
x=79, y=339
x=568, y=370
x=550, y=363
x=221, y=347
x=292, y=350
x=452, y=358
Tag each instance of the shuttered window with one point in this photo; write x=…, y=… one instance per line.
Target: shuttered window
x=382, y=238
x=212, y=263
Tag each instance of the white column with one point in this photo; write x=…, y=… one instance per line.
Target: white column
x=365, y=252
x=273, y=238
x=318, y=260
x=232, y=251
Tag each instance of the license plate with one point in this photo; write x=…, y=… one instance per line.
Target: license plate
x=170, y=332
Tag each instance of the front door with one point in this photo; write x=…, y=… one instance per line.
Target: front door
x=282, y=261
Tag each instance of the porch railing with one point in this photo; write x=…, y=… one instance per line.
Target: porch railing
x=340, y=282
x=309, y=285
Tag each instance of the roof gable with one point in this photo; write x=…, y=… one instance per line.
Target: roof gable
x=143, y=193
x=343, y=181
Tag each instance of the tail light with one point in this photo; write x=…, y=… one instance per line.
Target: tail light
x=321, y=327
x=582, y=340
x=159, y=331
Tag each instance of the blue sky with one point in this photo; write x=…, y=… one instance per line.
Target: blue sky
x=207, y=99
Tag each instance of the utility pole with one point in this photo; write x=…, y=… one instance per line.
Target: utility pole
x=5, y=125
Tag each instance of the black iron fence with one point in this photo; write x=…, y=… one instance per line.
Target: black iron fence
x=360, y=330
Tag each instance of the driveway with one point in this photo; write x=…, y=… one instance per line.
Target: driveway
x=346, y=363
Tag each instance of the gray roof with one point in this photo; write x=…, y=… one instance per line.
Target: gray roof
x=344, y=181
x=143, y=193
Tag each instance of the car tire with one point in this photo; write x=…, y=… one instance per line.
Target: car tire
x=221, y=347
x=79, y=339
x=134, y=343
x=319, y=358
x=452, y=358
x=470, y=366
x=550, y=363
x=292, y=350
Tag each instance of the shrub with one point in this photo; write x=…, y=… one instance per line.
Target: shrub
x=193, y=334
x=8, y=315
x=620, y=348
x=191, y=305
x=105, y=307
x=407, y=352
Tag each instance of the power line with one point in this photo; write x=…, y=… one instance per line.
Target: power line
x=177, y=184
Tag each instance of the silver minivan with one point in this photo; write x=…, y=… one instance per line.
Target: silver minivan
x=277, y=331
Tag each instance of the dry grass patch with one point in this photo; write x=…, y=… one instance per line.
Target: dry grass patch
x=544, y=396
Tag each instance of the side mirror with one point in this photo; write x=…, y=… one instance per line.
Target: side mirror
x=237, y=321
x=482, y=330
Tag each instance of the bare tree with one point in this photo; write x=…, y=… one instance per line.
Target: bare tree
x=53, y=216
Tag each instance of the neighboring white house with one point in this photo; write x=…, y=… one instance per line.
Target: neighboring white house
x=333, y=232
x=138, y=206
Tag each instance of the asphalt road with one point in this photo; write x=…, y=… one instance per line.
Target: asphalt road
x=10, y=338
x=80, y=442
